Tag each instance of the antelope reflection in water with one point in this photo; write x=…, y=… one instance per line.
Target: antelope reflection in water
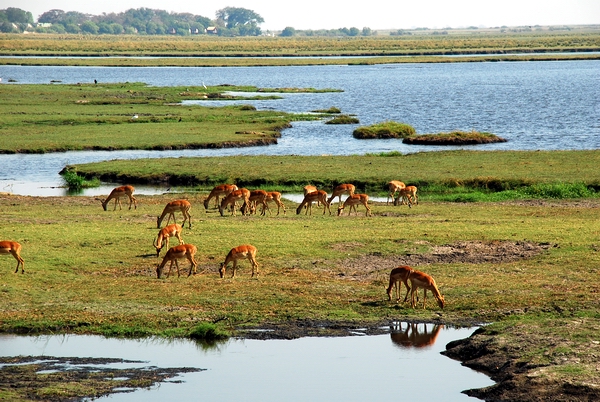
x=412, y=335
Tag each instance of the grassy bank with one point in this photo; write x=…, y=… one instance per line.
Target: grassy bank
x=442, y=176
x=203, y=45
x=51, y=118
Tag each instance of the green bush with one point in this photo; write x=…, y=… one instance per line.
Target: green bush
x=207, y=331
x=76, y=182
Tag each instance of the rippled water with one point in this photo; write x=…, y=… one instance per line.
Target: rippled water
x=535, y=105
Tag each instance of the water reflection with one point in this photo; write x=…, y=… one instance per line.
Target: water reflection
x=414, y=335
x=353, y=368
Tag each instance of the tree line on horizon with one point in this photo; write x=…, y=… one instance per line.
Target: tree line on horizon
x=229, y=21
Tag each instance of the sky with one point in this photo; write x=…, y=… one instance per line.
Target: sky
x=374, y=14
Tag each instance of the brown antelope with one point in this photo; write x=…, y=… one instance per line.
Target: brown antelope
x=247, y=251
x=175, y=253
x=341, y=189
x=178, y=205
x=352, y=201
x=320, y=196
x=276, y=197
x=14, y=248
x=256, y=197
x=397, y=277
x=420, y=279
x=219, y=191
x=309, y=188
x=242, y=194
x=162, y=240
x=407, y=192
x=393, y=187
x=116, y=194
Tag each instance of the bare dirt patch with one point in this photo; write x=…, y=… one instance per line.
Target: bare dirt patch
x=469, y=252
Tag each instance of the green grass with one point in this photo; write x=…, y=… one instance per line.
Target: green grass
x=461, y=42
x=454, y=138
x=455, y=176
x=51, y=118
x=91, y=271
x=388, y=129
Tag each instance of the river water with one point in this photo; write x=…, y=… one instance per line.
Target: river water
x=534, y=105
x=353, y=368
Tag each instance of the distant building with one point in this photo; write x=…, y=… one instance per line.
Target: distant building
x=211, y=30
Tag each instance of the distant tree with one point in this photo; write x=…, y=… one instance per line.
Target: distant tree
x=72, y=28
x=51, y=17
x=288, y=31
x=116, y=29
x=104, y=28
x=366, y=31
x=151, y=28
x=16, y=15
x=57, y=28
x=74, y=17
x=7, y=27
x=89, y=27
x=236, y=17
x=353, y=31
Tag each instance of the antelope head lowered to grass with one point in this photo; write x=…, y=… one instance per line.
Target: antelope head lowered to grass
x=162, y=240
x=116, y=194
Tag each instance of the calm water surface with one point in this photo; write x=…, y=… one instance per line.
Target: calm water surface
x=354, y=368
x=535, y=105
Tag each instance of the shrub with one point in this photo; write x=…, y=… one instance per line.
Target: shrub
x=76, y=182
x=207, y=331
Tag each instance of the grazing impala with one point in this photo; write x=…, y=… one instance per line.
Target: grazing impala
x=14, y=248
x=116, y=194
x=162, y=240
x=393, y=187
x=309, y=188
x=175, y=253
x=256, y=197
x=276, y=197
x=320, y=196
x=242, y=194
x=407, y=192
x=341, y=189
x=219, y=191
x=352, y=201
x=397, y=276
x=247, y=251
x=420, y=279
x=178, y=205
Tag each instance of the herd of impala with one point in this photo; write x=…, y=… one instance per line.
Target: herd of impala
x=229, y=195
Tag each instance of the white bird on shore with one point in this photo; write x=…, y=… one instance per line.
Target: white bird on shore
x=203, y=85
x=135, y=116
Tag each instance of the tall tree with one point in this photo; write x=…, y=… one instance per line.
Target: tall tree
x=233, y=17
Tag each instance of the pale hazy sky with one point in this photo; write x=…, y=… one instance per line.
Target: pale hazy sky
x=375, y=14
